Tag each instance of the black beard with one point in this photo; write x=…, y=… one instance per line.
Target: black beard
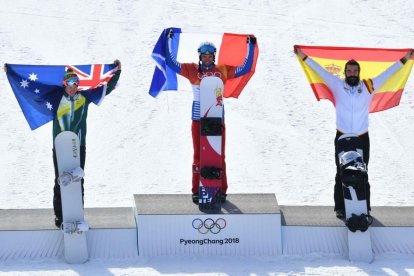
x=352, y=80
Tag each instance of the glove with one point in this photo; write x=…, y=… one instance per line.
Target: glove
x=170, y=34
x=251, y=39
x=117, y=63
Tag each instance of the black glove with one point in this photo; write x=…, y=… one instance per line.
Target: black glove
x=170, y=34
x=251, y=39
x=117, y=63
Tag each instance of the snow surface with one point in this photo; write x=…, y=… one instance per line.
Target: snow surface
x=279, y=138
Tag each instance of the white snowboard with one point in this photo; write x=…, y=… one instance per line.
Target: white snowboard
x=74, y=230
x=359, y=243
x=211, y=108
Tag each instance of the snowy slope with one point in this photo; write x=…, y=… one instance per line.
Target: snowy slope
x=279, y=138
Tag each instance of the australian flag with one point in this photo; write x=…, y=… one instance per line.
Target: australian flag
x=39, y=88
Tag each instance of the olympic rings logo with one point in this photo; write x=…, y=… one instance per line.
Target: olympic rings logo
x=209, y=225
x=208, y=74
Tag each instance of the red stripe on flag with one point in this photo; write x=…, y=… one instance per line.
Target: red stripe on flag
x=322, y=91
x=359, y=54
x=380, y=101
x=385, y=100
x=233, y=52
x=370, y=86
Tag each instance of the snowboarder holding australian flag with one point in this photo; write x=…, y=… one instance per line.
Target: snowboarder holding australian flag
x=62, y=94
x=195, y=73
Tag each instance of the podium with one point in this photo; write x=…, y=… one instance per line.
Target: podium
x=248, y=224
x=171, y=224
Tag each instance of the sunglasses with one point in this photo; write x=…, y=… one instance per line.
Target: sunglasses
x=71, y=81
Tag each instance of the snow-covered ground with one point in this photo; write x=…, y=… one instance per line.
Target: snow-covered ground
x=279, y=138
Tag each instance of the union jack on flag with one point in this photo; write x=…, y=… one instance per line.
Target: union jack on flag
x=91, y=76
x=39, y=88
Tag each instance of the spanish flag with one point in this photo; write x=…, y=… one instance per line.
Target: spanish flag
x=373, y=61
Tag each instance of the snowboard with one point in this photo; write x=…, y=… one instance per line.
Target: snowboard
x=74, y=226
x=354, y=177
x=211, y=120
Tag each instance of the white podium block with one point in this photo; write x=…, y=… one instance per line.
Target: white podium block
x=248, y=225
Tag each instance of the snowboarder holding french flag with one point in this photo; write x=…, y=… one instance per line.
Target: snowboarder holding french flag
x=195, y=73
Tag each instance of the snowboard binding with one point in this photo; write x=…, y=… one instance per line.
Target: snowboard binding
x=353, y=173
x=354, y=178
x=75, y=227
x=359, y=222
x=73, y=175
x=211, y=173
x=353, y=170
x=211, y=126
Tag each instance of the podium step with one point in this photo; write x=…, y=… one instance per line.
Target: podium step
x=181, y=204
x=43, y=219
x=248, y=224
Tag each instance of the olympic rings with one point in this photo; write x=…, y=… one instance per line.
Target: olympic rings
x=208, y=74
x=209, y=225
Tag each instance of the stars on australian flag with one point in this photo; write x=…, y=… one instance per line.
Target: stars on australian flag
x=49, y=106
x=33, y=77
x=32, y=87
x=24, y=83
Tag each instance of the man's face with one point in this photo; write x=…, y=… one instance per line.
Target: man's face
x=207, y=59
x=71, y=90
x=352, y=71
x=71, y=86
x=352, y=75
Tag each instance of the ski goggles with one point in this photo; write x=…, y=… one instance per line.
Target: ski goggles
x=71, y=81
x=207, y=49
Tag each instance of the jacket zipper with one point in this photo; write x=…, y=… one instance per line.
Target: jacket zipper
x=72, y=109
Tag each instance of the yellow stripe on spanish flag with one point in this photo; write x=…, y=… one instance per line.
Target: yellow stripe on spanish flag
x=369, y=84
x=373, y=61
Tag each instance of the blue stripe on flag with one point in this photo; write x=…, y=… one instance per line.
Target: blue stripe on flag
x=164, y=78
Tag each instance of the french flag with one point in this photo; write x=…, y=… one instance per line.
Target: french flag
x=231, y=50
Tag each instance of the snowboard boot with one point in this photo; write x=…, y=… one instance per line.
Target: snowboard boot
x=58, y=222
x=340, y=214
x=195, y=198
x=222, y=197
x=359, y=222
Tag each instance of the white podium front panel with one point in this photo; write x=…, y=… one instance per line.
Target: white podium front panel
x=249, y=224
x=209, y=234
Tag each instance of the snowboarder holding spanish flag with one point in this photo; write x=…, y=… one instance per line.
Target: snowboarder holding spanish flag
x=352, y=98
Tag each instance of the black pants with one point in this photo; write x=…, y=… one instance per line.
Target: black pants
x=57, y=201
x=338, y=192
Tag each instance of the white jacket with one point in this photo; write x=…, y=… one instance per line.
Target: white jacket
x=352, y=103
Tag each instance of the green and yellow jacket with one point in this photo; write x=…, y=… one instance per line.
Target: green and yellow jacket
x=72, y=111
